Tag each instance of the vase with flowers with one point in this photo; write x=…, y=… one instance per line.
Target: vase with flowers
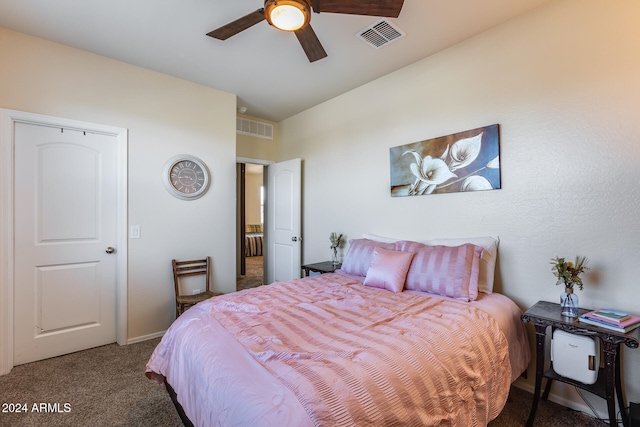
x=336, y=242
x=568, y=274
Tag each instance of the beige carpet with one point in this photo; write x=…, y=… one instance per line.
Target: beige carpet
x=549, y=414
x=254, y=276
x=106, y=386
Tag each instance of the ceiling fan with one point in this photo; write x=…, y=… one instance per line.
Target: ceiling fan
x=294, y=16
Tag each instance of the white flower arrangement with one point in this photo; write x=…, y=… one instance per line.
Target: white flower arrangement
x=336, y=242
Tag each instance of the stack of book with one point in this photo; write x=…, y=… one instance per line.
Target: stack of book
x=614, y=320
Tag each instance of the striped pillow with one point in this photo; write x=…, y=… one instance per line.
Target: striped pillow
x=487, y=262
x=450, y=271
x=360, y=254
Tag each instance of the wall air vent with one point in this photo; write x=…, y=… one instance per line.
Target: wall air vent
x=254, y=128
x=380, y=33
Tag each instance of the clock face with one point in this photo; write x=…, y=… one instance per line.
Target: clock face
x=186, y=177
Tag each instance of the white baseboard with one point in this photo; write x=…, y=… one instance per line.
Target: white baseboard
x=145, y=337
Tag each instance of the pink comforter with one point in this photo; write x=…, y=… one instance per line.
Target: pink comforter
x=328, y=351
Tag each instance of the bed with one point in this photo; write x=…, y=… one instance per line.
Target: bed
x=347, y=348
x=253, y=238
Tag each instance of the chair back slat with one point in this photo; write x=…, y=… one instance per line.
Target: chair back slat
x=192, y=273
x=199, y=269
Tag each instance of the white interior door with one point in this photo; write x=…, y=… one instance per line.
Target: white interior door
x=283, y=224
x=65, y=224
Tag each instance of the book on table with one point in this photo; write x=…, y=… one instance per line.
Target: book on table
x=612, y=315
x=624, y=326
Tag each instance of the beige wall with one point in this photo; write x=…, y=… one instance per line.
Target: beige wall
x=165, y=116
x=563, y=84
x=253, y=147
x=253, y=182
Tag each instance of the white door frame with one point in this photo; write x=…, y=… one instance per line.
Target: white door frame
x=7, y=120
x=265, y=252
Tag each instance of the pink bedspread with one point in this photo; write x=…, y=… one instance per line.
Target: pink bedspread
x=328, y=351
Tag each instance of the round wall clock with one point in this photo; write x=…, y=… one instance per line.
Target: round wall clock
x=186, y=177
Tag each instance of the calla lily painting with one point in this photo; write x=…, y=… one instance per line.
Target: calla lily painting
x=464, y=161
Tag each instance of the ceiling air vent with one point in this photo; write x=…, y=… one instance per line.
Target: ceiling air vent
x=380, y=33
x=254, y=128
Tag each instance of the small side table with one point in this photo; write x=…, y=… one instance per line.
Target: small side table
x=321, y=267
x=609, y=383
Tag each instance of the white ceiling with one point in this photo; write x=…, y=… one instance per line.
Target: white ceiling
x=266, y=68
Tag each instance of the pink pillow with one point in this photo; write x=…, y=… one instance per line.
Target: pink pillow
x=450, y=271
x=358, y=258
x=388, y=269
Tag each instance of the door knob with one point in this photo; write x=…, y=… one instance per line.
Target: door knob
x=294, y=239
x=110, y=250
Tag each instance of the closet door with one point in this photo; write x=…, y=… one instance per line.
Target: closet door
x=65, y=240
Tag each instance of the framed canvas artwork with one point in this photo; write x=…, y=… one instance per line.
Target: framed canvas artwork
x=464, y=161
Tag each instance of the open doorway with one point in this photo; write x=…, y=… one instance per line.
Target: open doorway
x=251, y=221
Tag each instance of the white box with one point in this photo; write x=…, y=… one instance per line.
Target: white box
x=575, y=356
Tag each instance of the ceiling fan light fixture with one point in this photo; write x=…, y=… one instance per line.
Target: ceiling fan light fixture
x=287, y=15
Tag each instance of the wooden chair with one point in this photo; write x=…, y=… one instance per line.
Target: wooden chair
x=191, y=268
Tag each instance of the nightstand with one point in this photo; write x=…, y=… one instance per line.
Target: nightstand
x=321, y=267
x=609, y=382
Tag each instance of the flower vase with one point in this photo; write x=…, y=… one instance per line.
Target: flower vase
x=569, y=303
x=334, y=257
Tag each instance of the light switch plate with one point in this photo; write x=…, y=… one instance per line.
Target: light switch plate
x=134, y=232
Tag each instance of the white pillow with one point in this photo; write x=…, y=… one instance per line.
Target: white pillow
x=380, y=238
x=488, y=261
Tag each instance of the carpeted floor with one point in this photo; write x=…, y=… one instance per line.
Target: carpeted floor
x=254, y=276
x=103, y=386
x=549, y=414
x=106, y=386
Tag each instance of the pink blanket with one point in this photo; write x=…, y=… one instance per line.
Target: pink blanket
x=328, y=351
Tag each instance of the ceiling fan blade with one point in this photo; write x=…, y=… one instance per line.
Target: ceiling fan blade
x=310, y=43
x=233, y=28
x=387, y=8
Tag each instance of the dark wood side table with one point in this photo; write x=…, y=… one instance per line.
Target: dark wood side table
x=609, y=383
x=321, y=267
